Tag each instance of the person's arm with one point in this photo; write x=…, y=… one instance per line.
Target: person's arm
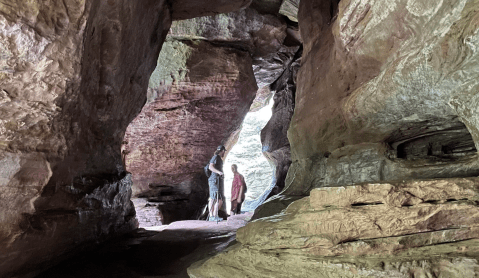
x=213, y=169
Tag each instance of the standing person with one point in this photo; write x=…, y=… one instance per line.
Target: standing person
x=216, y=184
x=237, y=191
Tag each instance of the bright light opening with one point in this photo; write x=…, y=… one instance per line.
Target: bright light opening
x=247, y=154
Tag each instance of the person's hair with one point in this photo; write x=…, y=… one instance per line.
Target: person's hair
x=217, y=152
x=234, y=166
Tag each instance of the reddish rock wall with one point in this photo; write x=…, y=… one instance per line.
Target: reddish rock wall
x=168, y=144
x=199, y=94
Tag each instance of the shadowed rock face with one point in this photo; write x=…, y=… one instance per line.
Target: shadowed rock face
x=71, y=82
x=73, y=75
x=185, y=9
x=274, y=138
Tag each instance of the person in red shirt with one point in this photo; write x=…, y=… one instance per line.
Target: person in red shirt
x=237, y=191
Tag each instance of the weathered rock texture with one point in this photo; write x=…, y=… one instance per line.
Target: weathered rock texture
x=274, y=138
x=386, y=91
x=290, y=8
x=410, y=229
x=73, y=75
x=185, y=9
x=70, y=85
x=203, y=87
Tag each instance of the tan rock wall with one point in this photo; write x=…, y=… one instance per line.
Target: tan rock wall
x=411, y=229
x=382, y=93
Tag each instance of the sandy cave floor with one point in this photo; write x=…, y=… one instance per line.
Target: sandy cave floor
x=161, y=251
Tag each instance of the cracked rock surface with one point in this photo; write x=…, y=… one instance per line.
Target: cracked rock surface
x=426, y=227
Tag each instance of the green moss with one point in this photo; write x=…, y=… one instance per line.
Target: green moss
x=171, y=65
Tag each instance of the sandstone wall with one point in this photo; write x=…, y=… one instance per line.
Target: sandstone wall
x=73, y=75
x=409, y=229
x=386, y=91
x=274, y=138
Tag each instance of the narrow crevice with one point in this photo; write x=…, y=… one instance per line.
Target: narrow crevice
x=398, y=236
x=169, y=109
x=367, y=204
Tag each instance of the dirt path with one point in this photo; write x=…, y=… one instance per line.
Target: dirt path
x=162, y=251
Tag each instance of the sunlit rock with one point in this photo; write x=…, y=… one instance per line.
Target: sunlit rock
x=200, y=92
x=290, y=8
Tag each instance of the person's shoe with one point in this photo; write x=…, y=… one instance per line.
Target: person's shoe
x=218, y=219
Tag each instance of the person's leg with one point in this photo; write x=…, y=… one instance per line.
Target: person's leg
x=217, y=206
x=213, y=187
x=210, y=207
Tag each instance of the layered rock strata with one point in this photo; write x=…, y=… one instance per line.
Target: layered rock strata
x=177, y=132
x=204, y=85
x=422, y=228
x=70, y=85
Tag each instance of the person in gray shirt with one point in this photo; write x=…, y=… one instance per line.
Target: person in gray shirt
x=216, y=184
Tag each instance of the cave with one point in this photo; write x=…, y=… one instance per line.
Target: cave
x=373, y=137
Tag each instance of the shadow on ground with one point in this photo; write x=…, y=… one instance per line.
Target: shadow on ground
x=164, y=251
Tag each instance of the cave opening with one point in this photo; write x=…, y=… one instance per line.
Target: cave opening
x=248, y=156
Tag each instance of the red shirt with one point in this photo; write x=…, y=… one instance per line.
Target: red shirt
x=238, y=182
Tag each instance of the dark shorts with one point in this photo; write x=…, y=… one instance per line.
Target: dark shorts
x=215, y=183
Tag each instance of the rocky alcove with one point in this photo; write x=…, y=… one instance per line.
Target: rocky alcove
x=374, y=132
